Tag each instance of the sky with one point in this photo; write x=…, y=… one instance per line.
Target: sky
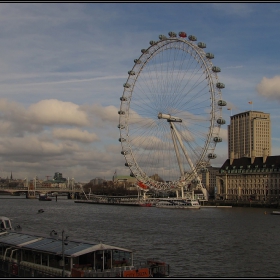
x=63, y=66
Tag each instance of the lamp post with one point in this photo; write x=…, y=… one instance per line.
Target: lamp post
x=63, y=243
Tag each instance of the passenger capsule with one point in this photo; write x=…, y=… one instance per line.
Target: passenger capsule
x=162, y=37
x=121, y=112
x=220, y=85
x=222, y=103
x=210, y=55
x=128, y=164
x=212, y=156
x=137, y=61
x=132, y=73
x=221, y=121
x=152, y=43
x=192, y=38
x=144, y=51
x=216, y=69
x=121, y=126
x=203, y=170
x=126, y=85
x=132, y=175
x=172, y=34
x=123, y=98
x=183, y=34
x=195, y=181
x=124, y=152
x=122, y=140
x=217, y=139
x=201, y=45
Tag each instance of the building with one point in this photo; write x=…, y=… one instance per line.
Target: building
x=57, y=182
x=250, y=178
x=124, y=179
x=249, y=133
x=208, y=179
x=97, y=181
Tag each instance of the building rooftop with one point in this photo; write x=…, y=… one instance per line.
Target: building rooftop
x=272, y=162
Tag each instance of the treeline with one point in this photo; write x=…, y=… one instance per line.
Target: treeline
x=109, y=188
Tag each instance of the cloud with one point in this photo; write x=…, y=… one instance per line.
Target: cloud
x=269, y=88
x=33, y=145
x=49, y=112
x=16, y=120
x=102, y=117
x=74, y=134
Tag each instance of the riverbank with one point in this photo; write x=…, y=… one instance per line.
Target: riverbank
x=241, y=203
x=210, y=203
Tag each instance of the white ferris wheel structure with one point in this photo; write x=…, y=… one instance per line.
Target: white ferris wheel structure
x=171, y=113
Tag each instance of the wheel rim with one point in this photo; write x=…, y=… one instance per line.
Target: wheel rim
x=173, y=76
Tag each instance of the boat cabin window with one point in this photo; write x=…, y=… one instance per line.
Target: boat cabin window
x=5, y=224
x=45, y=259
x=54, y=261
x=121, y=258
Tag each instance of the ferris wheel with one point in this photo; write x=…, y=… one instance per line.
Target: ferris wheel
x=171, y=112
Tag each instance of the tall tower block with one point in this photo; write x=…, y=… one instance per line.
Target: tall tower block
x=249, y=131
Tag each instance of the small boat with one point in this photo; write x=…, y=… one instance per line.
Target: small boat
x=41, y=211
x=178, y=204
x=275, y=213
x=146, y=204
x=57, y=256
x=44, y=197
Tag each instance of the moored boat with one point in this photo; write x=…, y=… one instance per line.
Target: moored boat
x=275, y=213
x=24, y=254
x=44, y=197
x=178, y=204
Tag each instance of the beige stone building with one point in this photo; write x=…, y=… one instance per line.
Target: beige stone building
x=208, y=179
x=250, y=178
x=249, y=132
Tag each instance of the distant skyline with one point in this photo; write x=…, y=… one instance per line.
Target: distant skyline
x=63, y=66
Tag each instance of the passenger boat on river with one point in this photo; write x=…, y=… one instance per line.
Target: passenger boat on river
x=178, y=204
x=24, y=254
x=44, y=197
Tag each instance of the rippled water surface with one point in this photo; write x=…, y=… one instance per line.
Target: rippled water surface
x=210, y=242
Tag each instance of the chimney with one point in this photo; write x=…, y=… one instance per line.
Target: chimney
x=265, y=153
x=253, y=156
x=231, y=158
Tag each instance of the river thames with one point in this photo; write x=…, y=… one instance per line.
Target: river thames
x=210, y=242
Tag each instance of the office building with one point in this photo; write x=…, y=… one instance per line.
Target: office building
x=249, y=133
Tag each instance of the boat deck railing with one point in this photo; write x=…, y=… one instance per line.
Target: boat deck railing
x=160, y=269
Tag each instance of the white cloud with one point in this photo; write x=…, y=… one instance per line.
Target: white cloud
x=45, y=112
x=49, y=112
x=270, y=88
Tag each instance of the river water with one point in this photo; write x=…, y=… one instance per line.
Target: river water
x=210, y=242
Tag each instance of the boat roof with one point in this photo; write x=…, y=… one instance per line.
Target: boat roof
x=4, y=218
x=52, y=245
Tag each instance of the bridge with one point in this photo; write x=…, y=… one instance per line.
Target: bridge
x=32, y=192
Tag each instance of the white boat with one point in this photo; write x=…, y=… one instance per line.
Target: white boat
x=275, y=213
x=178, y=204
